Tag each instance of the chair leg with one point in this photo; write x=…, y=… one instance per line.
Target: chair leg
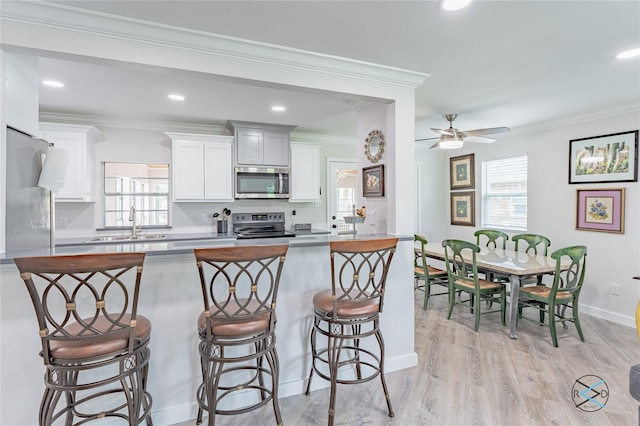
x=260, y=346
x=427, y=293
x=503, y=306
x=576, y=320
x=452, y=301
x=333, y=355
x=204, y=375
x=314, y=355
x=146, y=404
x=355, y=330
x=274, y=364
x=476, y=326
x=382, y=378
x=552, y=326
x=46, y=406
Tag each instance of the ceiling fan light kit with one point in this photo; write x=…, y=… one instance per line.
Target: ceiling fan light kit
x=453, y=138
x=450, y=142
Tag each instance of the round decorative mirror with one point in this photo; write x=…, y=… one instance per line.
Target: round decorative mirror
x=374, y=146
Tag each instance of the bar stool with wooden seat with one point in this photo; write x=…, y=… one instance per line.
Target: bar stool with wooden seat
x=349, y=312
x=95, y=346
x=237, y=329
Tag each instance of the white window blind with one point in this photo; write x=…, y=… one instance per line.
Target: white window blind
x=504, y=194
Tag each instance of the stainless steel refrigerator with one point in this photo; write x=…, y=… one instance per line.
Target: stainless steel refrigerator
x=28, y=209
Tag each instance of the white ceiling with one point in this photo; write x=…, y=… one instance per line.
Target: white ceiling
x=495, y=63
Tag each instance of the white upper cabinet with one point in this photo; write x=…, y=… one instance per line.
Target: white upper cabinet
x=305, y=173
x=259, y=144
x=201, y=167
x=79, y=144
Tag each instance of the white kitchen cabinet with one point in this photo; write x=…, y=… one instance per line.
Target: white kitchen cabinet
x=201, y=167
x=79, y=143
x=260, y=144
x=305, y=173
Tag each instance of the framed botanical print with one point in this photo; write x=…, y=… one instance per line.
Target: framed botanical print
x=462, y=172
x=373, y=181
x=463, y=210
x=600, y=210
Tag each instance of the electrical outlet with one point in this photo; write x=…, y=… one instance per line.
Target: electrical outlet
x=615, y=289
x=62, y=221
x=202, y=218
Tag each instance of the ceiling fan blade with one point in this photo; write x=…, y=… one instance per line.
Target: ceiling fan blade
x=442, y=132
x=435, y=145
x=427, y=139
x=479, y=139
x=480, y=132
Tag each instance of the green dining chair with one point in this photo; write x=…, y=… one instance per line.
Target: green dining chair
x=427, y=274
x=463, y=276
x=563, y=294
x=535, y=244
x=494, y=239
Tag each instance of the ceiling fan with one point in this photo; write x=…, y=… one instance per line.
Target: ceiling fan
x=453, y=138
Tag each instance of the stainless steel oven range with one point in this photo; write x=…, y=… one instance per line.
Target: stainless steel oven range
x=259, y=225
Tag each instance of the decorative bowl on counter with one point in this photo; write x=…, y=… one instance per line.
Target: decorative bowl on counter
x=354, y=219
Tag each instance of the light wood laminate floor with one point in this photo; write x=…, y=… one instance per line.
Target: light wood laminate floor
x=484, y=378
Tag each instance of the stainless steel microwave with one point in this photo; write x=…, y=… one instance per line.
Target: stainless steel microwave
x=261, y=182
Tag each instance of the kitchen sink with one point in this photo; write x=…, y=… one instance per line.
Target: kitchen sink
x=110, y=238
x=127, y=238
x=149, y=237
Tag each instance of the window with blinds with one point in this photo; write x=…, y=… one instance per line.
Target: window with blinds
x=504, y=194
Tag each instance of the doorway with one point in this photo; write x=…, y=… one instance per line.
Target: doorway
x=342, y=179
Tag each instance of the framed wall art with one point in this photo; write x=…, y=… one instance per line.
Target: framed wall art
x=607, y=158
x=373, y=181
x=462, y=172
x=463, y=211
x=600, y=210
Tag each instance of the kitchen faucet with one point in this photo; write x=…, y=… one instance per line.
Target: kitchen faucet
x=132, y=218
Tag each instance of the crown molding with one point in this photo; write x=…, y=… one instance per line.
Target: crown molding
x=71, y=19
x=124, y=123
x=585, y=116
x=322, y=139
x=174, y=127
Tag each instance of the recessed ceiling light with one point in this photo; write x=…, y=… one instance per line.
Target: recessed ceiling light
x=278, y=108
x=628, y=54
x=176, y=97
x=455, y=4
x=52, y=83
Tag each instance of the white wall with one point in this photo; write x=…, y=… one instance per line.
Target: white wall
x=432, y=189
x=612, y=258
x=374, y=117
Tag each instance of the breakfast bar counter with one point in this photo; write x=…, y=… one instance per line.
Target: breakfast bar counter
x=171, y=298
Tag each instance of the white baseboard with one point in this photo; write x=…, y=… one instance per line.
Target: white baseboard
x=609, y=316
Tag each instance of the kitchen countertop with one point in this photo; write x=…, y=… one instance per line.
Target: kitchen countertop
x=181, y=244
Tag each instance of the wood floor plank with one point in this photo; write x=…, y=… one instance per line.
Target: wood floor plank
x=484, y=378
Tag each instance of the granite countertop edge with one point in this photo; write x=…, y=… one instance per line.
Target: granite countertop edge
x=177, y=244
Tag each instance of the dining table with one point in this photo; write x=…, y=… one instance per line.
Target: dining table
x=514, y=264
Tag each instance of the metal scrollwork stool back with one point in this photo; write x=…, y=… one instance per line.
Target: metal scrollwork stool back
x=95, y=346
